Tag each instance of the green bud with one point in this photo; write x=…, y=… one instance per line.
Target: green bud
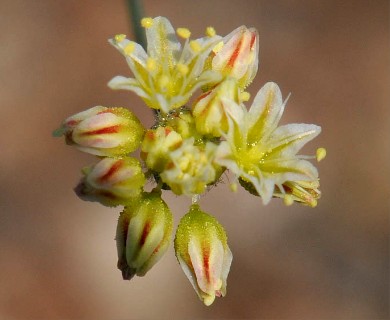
x=112, y=181
x=143, y=234
x=202, y=251
x=103, y=131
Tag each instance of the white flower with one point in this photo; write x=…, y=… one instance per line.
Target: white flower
x=166, y=75
x=260, y=152
x=190, y=168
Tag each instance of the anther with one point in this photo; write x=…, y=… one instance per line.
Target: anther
x=183, y=33
x=147, y=22
x=233, y=187
x=320, y=154
x=288, y=200
x=245, y=96
x=210, y=32
x=120, y=37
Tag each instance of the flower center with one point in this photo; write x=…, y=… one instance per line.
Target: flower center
x=251, y=158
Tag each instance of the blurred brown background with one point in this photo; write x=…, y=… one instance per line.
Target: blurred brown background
x=58, y=255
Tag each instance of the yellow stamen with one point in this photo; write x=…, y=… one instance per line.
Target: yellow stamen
x=183, y=33
x=210, y=32
x=146, y=22
x=120, y=37
x=233, y=187
x=245, y=96
x=288, y=200
x=321, y=154
x=151, y=64
x=312, y=203
x=195, y=46
x=129, y=48
x=183, y=69
x=218, y=47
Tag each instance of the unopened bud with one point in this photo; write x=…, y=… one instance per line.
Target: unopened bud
x=143, y=235
x=157, y=145
x=209, y=113
x=103, y=131
x=304, y=192
x=238, y=57
x=202, y=251
x=112, y=181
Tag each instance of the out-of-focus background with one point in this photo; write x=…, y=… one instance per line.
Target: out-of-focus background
x=58, y=255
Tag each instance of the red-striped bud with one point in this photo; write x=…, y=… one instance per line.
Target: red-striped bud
x=210, y=116
x=112, y=181
x=103, y=131
x=239, y=55
x=202, y=251
x=157, y=146
x=143, y=235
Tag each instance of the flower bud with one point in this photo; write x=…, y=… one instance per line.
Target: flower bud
x=304, y=192
x=112, y=181
x=182, y=121
x=210, y=117
x=103, y=131
x=202, y=251
x=238, y=56
x=143, y=235
x=157, y=145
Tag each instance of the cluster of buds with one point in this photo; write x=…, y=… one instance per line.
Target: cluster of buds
x=189, y=148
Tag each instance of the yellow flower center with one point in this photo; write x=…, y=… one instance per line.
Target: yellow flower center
x=250, y=159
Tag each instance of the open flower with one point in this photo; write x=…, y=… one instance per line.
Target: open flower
x=143, y=234
x=202, y=251
x=190, y=168
x=166, y=75
x=260, y=152
x=103, y=131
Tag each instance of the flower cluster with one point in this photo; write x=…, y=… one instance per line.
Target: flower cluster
x=189, y=147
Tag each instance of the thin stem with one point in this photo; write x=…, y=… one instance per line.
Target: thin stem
x=136, y=13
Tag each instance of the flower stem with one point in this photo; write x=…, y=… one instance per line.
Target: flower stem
x=136, y=13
